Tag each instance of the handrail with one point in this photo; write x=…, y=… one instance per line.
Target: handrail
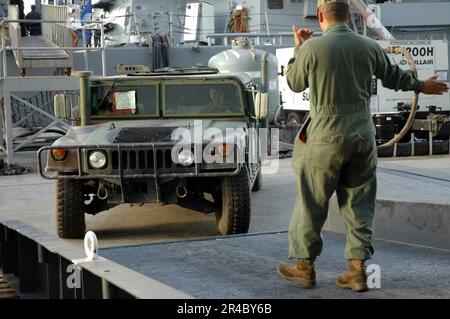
x=91, y=25
x=52, y=48
x=6, y=20
x=256, y=35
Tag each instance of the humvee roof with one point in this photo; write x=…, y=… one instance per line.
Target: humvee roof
x=242, y=77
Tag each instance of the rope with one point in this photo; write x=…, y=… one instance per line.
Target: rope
x=238, y=22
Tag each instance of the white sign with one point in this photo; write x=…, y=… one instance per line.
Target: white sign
x=423, y=55
x=291, y=100
x=431, y=57
x=125, y=100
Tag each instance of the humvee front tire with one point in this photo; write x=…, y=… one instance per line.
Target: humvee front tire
x=70, y=219
x=234, y=216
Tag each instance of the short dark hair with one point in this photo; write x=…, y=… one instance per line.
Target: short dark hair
x=337, y=12
x=33, y=7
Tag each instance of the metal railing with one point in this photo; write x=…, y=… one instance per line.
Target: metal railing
x=57, y=34
x=271, y=38
x=56, y=28
x=18, y=48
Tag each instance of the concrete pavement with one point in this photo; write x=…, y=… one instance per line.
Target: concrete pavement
x=30, y=199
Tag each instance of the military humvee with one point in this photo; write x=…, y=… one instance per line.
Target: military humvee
x=178, y=136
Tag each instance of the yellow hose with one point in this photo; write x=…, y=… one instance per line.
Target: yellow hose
x=412, y=113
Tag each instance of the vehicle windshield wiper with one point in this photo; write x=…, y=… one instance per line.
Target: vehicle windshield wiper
x=97, y=107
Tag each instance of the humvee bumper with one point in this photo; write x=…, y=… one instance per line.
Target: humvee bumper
x=130, y=161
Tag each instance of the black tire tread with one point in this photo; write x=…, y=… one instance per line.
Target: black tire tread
x=236, y=199
x=70, y=219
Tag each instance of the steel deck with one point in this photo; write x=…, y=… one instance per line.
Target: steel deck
x=245, y=267
x=41, y=41
x=42, y=57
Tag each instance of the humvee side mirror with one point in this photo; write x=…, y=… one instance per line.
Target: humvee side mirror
x=261, y=105
x=63, y=105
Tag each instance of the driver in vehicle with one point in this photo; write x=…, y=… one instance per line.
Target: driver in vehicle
x=216, y=104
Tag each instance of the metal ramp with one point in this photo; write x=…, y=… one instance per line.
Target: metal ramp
x=244, y=267
x=231, y=267
x=38, y=58
x=39, y=265
x=42, y=51
x=57, y=44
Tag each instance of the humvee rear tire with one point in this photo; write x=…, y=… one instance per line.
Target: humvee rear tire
x=70, y=219
x=234, y=217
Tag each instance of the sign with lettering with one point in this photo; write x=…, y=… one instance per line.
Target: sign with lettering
x=423, y=55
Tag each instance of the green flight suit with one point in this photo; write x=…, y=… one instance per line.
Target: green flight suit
x=340, y=153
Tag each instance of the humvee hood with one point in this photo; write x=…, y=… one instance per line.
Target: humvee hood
x=152, y=131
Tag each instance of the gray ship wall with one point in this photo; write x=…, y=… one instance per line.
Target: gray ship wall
x=408, y=20
x=114, y=56
x=178, y=57
x=151, y=16
x=415, y=14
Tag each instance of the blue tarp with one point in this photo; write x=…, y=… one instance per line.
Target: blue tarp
x=86, y=15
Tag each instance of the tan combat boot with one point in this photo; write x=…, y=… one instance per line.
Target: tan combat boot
x=355, y=278
x=302, y=272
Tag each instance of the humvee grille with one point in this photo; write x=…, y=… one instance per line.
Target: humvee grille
x=143, y=159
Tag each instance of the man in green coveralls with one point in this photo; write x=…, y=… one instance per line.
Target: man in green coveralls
x=335, y=150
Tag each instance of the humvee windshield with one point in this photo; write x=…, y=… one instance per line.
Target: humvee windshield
x=215, y=99
x=179, y=98
x=112, y=100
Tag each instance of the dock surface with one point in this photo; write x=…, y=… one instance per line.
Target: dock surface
x=245, y=267
x=180, y=248
x=30, y=199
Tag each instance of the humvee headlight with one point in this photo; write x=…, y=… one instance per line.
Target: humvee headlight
x=186, y=157
x=97, y=159
x=59, y=154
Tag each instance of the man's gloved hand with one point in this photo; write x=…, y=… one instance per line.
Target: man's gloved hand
x=301, y=35
x=433, y=86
